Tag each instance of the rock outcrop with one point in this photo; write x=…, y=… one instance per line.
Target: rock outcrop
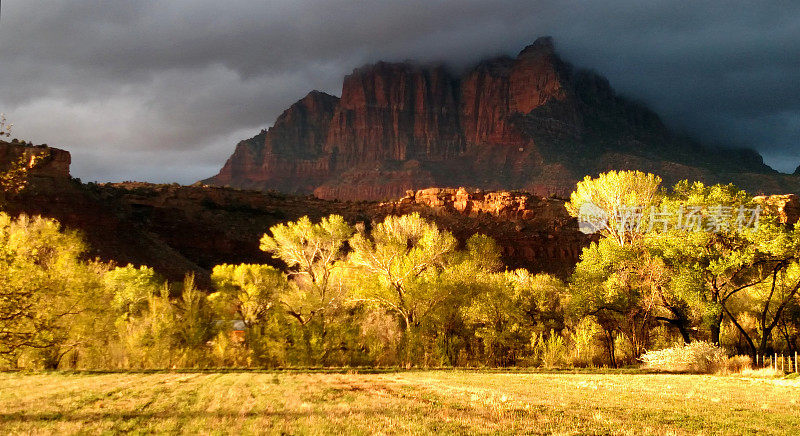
x=532, y=122
x=41, y=160
x=502, y=204
x=533, y=232
x=786, y=207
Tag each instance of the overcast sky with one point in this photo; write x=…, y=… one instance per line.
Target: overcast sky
x=161, y=90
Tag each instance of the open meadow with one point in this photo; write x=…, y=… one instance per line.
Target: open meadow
x=416, y=402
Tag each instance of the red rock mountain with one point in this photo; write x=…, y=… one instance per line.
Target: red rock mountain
x=530, y=123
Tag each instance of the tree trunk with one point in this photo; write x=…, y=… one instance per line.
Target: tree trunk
x=307, y=341
x=716, y=327
x=684, y=333
x=323, y=358
x=611, y=349
x=743, y=332
x=407, y=319
x=762, y=344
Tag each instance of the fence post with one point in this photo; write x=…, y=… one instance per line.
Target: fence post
x=775, y=362
x=795, y=362
x=783, y=368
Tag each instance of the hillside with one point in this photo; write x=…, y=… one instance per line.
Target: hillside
x=179, y=229
x=532, y=123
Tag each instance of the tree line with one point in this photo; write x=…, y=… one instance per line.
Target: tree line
x=403, y=292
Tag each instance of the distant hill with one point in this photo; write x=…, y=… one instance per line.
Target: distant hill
x=532, y=123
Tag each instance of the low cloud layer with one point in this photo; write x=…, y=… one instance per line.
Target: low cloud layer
x=162, y=91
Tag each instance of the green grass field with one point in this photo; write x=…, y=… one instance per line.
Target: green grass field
x=421, y=402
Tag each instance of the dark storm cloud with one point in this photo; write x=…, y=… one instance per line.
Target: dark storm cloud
x=162, y=90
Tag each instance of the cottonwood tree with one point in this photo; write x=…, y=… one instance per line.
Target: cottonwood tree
x=720, y=262
x=252, y=294
x=511, y=309
x=774, y=290
x=617, y=285
x=132, y=287
x=312, y=251
x=617, y=281
x=195, y=326
x=402, y=260
x=50, y=297
x=172, y=331
x=250, y=291
x=448, y=332
x=622, y=198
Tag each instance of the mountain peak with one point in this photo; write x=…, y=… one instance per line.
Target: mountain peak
x=542, y=46
x=315, y=95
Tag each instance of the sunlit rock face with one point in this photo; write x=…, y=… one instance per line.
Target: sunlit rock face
x=786, y=206
x=41, y=160
x=532, y=122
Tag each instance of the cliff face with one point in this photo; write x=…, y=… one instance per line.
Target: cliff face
x=786, y=207
x=532, y=122
x=395, y=112
x=290, y=156
x=533, y=232
x=42, y=161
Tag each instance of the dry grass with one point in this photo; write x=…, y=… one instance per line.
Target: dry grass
x=396, y=403
x=768, y=372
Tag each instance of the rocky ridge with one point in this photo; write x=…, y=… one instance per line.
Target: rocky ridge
x=189, y=229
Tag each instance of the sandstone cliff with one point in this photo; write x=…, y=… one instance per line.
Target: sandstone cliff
x=533, y=232
x=289, y=157
x=532, y=122
x=43, y=161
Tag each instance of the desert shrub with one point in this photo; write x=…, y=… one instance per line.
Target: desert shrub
x=698, y=357
x=737, y=364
